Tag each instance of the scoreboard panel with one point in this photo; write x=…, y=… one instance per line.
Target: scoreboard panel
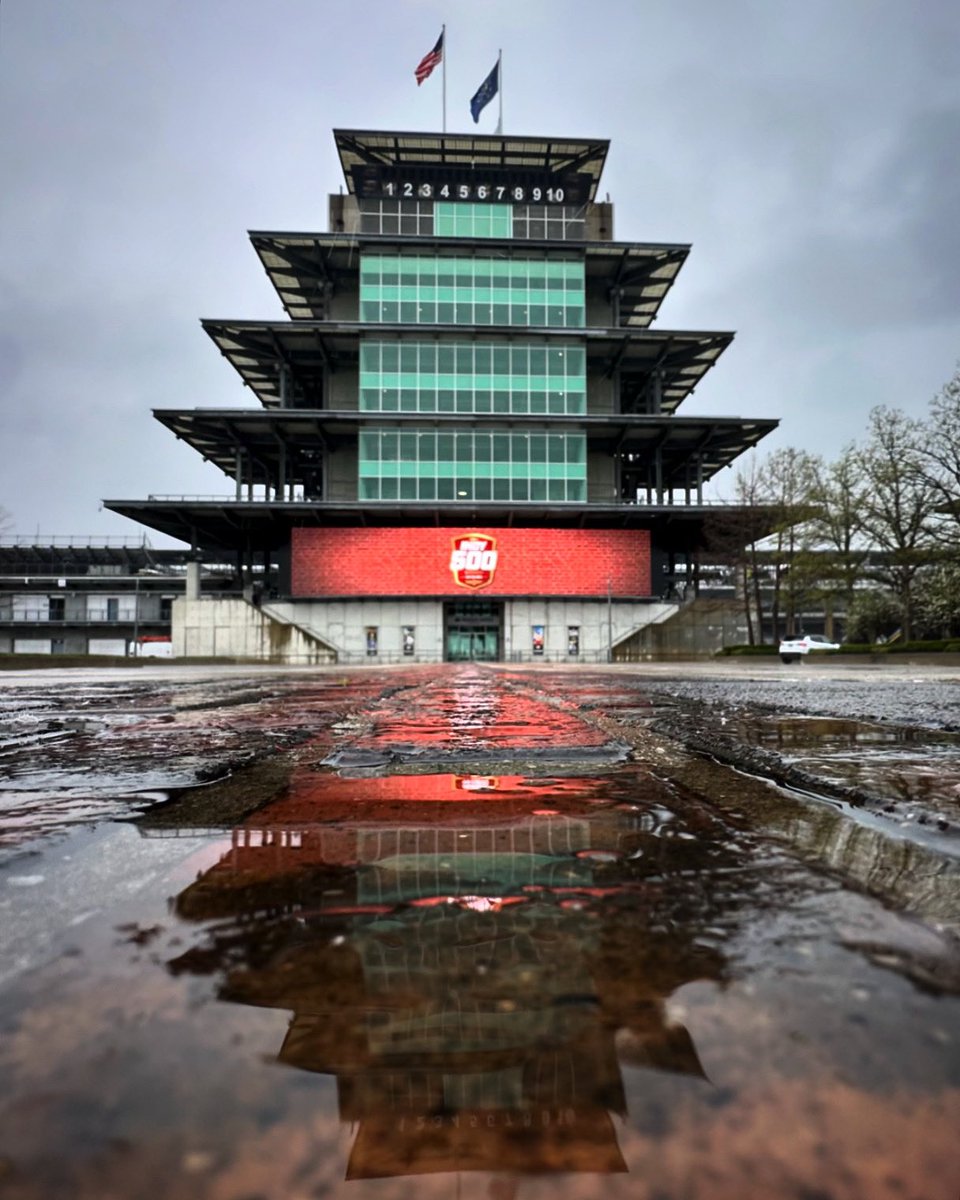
x=481, y=184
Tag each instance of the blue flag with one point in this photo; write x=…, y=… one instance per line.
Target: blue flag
x=485, y=92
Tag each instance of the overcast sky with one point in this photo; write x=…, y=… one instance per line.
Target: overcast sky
x=809, y=151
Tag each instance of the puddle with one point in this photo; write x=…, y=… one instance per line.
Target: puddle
x=887, y=763
x=476, y=969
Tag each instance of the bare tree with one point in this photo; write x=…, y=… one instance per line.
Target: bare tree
x=786, y=485
x=837, y=495
x=897, y=506
x=939, y=457
x=748, y=491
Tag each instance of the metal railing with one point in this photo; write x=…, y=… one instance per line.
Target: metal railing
x=678, y=500
x=35, y=616
x=75, y=542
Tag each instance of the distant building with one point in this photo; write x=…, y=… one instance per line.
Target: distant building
x=71, y=596
x=467, y=445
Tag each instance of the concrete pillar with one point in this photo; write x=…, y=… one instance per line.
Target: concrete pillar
x=193, y=581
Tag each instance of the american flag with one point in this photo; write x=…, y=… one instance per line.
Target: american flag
x=429, y=61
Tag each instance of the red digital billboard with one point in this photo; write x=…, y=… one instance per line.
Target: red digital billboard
x=470, y=561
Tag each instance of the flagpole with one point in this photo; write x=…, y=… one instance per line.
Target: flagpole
x=500, y=89
x=443, y=31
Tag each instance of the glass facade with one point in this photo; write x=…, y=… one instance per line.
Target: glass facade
x=472, y=220
x=467, y=376
x=407, y=217
x=434, y=289
x=558, y=223
x=426, y=218
x=472, y=377
x=422, y=464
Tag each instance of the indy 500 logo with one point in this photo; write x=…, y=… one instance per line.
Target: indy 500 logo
x=473, y=560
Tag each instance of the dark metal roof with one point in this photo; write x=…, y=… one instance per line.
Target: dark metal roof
x=77, y=558
x=558, y=157
x=308, y=269
x=218, y=525
x=298, y=437
x=259, y=349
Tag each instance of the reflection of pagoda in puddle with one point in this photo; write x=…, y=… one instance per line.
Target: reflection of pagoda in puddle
x=473, y=975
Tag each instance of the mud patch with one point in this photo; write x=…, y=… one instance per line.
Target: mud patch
x=223, y=803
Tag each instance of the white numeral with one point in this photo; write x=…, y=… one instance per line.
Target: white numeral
x=473, y=560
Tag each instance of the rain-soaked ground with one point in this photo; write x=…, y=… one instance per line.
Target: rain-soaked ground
x=479, y=932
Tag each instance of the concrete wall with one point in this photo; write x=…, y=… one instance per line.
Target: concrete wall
x=601, y=396
x=599, y=221
x=699, y=628
x=228, y=628
x=345, y=301
x=343, y=213
x=343, y=390
x=343, y=624
x=593, y=618
x=600, y=479
x=599, y=309
x=293, y=631
x=342, y=470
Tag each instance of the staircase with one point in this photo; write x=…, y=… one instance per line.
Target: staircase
x=696, y=629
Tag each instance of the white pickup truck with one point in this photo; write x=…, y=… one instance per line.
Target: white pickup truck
x=792, y=648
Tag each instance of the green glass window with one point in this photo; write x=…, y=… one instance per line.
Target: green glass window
x=472, y=220
x=466, y=290
x=472, y=377
x=469, y=465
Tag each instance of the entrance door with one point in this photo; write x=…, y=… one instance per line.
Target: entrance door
x=471, y=630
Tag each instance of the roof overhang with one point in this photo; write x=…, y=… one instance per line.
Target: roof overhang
x=369, y=154
x=263, y=351
x=307, y=269
x=676, y=451
x=220, y=525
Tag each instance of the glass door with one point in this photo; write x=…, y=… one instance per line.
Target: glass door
x=472, y=631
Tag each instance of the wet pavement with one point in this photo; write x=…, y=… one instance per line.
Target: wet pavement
x=477, y=932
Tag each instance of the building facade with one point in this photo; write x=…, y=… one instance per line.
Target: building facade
x=468, y=444
x=72, y=596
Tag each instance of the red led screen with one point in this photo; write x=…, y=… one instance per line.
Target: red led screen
x=470, y=561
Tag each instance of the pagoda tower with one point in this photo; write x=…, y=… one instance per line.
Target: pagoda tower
x=467, y=444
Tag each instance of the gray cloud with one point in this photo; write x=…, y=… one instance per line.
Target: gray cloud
x=808, y=152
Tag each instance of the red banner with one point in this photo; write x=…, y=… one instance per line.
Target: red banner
x=478, y=561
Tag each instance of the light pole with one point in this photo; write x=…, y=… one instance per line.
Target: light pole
x=609, y=622
x=136, y=612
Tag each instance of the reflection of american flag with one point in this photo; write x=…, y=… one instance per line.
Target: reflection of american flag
x=429, y=61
